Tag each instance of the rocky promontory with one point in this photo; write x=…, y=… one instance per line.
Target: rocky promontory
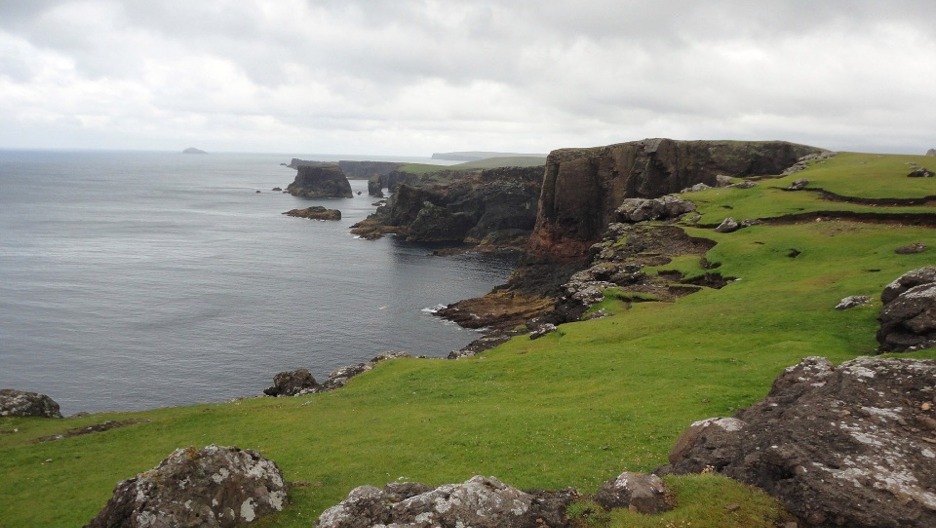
x=316, y=212
x=492, y=208
x=583, y=187
x=323, y=180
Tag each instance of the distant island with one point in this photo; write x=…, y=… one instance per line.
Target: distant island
x=193, y=150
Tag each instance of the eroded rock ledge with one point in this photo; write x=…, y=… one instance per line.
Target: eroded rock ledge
x=322, y=180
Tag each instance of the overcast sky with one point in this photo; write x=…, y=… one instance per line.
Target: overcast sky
x=412, y=77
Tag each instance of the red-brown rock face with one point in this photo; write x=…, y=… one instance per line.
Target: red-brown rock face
x=583, y=187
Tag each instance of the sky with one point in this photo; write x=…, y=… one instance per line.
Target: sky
x=413, y=77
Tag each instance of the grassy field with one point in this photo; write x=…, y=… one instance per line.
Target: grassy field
x=573, y=408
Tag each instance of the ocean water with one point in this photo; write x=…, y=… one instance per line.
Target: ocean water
x=135, y=280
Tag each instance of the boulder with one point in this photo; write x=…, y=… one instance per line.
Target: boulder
x=921, y=172
x=909, y=249
x=728, y=225
x=798, y=185
x=541, y=330
x=213, y=487
x=908, y=280
x=480, y=502
x=320, y=180
x=27, y=404
x=908, y=322
x=667, y=207
x=292, y=383
x=316, y=212
x=639, y=492
x=853, y=445
x=852, y=301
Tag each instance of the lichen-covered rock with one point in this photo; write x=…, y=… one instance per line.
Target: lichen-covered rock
x=664, y=208
x=853, y=445
x=480, y=502
x=728, y=225
x=798, y=185
x=27, y=404
x=639, y=492
x=212, y=487
x=921, y=172
x=852, y=301
x=292, y=383
x=910, y=249
x=908, y=317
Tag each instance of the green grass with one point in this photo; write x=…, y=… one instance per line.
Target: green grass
x=573, y=408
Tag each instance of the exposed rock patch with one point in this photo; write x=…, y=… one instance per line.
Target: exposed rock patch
x=909, y=249
x=316, y=212
x=27, y=404
x=96, y=428
x=323, y=180
x=852, y=301
x=853, y=445
x=908, y=317
x=668, y=207
x=798, y=185
x=921, y=172
x=215, y=486
x=639, y=492
x=301, y=381
x=480, y=502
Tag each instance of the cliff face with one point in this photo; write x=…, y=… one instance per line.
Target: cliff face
x=495, y=207
x=582, y=187
x=325, y=180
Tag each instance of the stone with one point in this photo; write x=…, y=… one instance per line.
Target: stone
x=213, y=487
x=480, y=502
x=728, y=225
x=838, y=446
x=908, y=322
x=910, y=249
x=27, y=404
x=921, y=172
x=292, y=383
x=931, y=152
x=908, y=280
x=546, y=328
x=798, y=185
x=640, y=492
x=667, y=207
x=852, y=301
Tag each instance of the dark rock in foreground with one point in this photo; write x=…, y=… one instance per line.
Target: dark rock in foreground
x=481, y=502
x=216, y=486
x=324, y=180
x=316, y=212
x=640, y=492
x=908, y=317
x=27, y=404
x=853, y=445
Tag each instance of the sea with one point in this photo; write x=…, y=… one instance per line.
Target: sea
x=137, y=280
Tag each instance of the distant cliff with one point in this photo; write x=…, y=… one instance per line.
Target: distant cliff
x=323, y=180
x=353, y=170
x=582, y=187
x=492, y=207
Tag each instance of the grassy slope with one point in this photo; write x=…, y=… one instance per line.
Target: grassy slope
x=571, y=409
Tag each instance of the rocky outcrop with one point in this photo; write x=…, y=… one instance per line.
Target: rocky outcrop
x=215, y=487
x=582, y=188
x=931, y=152
x=853, y=445
x=852, y=301
x=639, y=492
x=488, y=208
x=292, y=383
x=920, y=172
x=668, y=207
x=300, y=381
x=316, y=212
x=27, y=404
x=480, y=502
x=324, y=180
x=908, y=317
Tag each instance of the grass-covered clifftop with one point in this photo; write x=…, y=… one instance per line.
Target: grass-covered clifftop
x=573, y=408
